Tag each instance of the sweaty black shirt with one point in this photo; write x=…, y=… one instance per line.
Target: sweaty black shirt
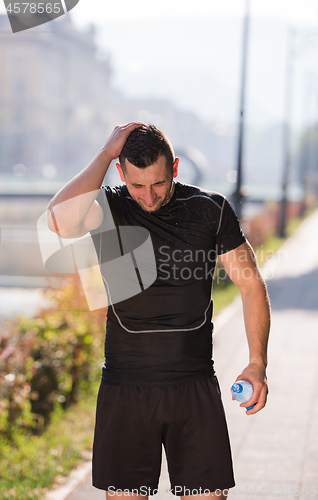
x=163, y=334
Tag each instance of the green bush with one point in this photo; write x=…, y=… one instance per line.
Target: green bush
x=33, y=464
x=46, y=359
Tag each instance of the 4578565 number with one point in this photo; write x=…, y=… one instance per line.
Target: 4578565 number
x=34, y=8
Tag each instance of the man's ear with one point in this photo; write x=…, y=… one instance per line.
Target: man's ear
x=175, y=167
x=121, y=172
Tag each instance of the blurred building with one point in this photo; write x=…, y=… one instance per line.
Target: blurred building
x=55, y=99
x=58, y=106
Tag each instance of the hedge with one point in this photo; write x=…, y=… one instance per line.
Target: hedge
x=45, y=360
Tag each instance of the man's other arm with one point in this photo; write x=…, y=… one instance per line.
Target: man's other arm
x=74, y=210
x=241, y=266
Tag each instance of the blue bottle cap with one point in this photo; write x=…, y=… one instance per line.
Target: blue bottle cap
x=237, y=388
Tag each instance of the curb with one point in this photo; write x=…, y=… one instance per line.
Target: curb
x=75, y=477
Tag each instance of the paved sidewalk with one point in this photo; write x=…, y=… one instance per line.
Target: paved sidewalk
x=275, y=452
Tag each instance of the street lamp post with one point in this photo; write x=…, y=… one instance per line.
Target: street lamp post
x=237, y=196
x=289, y=77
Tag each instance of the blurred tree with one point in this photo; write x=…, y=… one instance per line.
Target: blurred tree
x=307, y=161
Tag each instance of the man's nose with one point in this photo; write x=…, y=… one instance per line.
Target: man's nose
x=149, y=196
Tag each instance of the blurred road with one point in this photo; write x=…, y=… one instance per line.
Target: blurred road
x=275, y=452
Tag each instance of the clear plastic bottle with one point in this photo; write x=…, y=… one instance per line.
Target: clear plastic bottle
x=242, y=391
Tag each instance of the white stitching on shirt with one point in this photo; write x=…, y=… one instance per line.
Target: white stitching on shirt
x=167, y=330
x=153, y=331
x=199, y=196
x=221, y=215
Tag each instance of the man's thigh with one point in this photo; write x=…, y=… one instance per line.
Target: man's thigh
x=128, y=439
x=196, y=440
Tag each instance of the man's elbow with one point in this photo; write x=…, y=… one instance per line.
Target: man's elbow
x=254, y=286
x=59, y=228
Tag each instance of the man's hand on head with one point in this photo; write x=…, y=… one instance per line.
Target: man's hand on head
x=117, y=139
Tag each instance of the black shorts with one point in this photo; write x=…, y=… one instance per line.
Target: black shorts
x=132, y=423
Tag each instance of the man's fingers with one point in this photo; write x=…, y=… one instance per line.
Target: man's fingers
x=120, y=134
x=135, y=124
x=260, y=401
x=129, y=127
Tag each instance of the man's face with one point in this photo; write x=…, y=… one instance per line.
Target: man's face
x=150, y=187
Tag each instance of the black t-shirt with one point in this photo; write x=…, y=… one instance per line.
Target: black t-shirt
x=163, y=334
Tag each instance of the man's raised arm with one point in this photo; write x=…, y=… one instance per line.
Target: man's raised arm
x=74, y=210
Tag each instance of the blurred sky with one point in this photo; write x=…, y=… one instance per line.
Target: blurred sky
x=103, y=11
x=189, y=51
x=126, y=10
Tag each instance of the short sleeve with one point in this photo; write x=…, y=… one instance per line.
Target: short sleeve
x=229, y=234
x=104, y=199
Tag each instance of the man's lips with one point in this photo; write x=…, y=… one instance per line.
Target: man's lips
x=149, y=206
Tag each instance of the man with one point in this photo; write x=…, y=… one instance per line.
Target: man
x=158, y=384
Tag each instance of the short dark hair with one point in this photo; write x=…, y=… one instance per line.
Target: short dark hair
x=144, y=146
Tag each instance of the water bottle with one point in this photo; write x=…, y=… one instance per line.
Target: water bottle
x=242, y=391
